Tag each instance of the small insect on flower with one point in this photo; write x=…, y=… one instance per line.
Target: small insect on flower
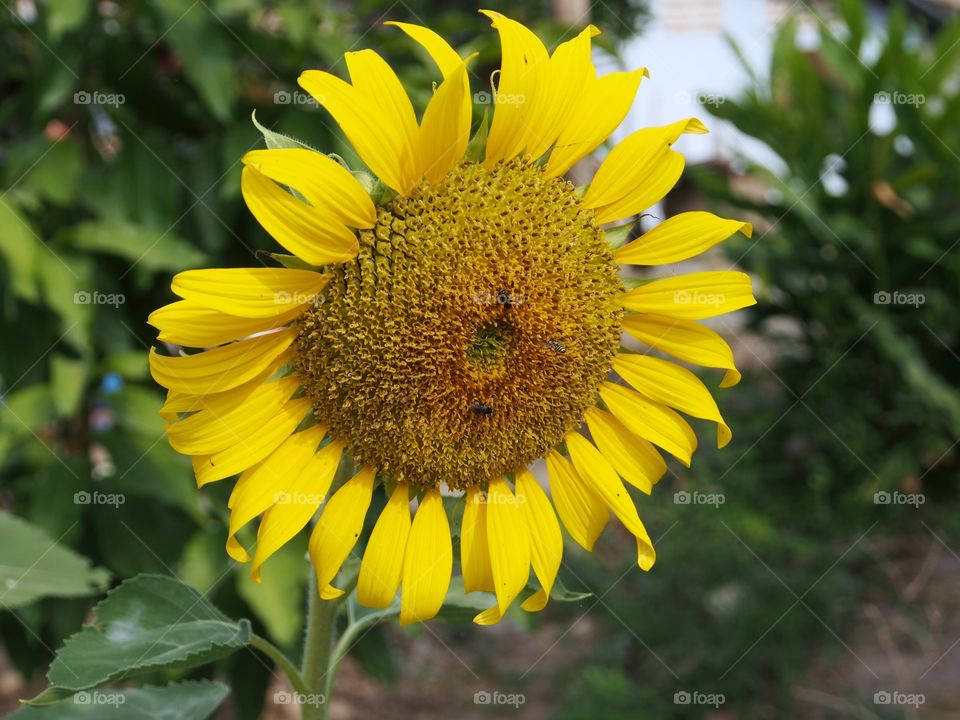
x=503, y=298
x=556, y=346
x=481, y=409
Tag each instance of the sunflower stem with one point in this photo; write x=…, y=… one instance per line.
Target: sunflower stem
x=282, y=661
x=317, y=651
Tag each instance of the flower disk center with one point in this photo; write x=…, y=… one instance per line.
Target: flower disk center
x=471, y=331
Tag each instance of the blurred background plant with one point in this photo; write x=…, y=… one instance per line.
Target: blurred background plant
x=121, y=129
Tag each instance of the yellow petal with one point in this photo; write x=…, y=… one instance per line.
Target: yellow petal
x=693, y=296
x=338, y=529
x=546, y=542
x=634, y=459
x=383, y=558
x=260, y=486
x=601, y=107
x=294, y=507
x=509, y=548
x=326, y=184
x=583, y=513
x=570, y=72
x=446, y=58
x=374, y=113
x=651, y=421
x=249, y=292
x=474, y=545
x=237, y=458
x=674, y=386
x=678, y=238
x=522, y=89
x=445, y=130
x=686, y=340
x=190, y=324
x=427, y=563
x=228, y=420
x=628, y=167
x=596, y=471
x=308, y=232
x=222, y=368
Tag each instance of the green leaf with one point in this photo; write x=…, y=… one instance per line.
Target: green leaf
x=375, y=656
x=191, y=700
x=68, y=380
x=275, y=140
x=617, y=236
x=143, y=246
x=64, y=16
x=150, y=622
x=18, y=249
x=26, y=409
x=32, y=566
x=460, y=606
x=291, y=261
x=278, y=600
x=560, y=593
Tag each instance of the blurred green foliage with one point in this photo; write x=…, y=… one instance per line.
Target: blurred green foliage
x=121, y=130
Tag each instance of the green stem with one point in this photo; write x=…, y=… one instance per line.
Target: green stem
x=317, y=647
x=282, y=661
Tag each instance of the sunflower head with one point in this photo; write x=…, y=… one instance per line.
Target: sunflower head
x=450, y=328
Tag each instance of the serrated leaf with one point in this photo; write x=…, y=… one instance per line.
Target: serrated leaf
x=148, y=623
x=33, y=566
x=192, y=700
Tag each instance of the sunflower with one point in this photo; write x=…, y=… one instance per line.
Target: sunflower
x=445, y=320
